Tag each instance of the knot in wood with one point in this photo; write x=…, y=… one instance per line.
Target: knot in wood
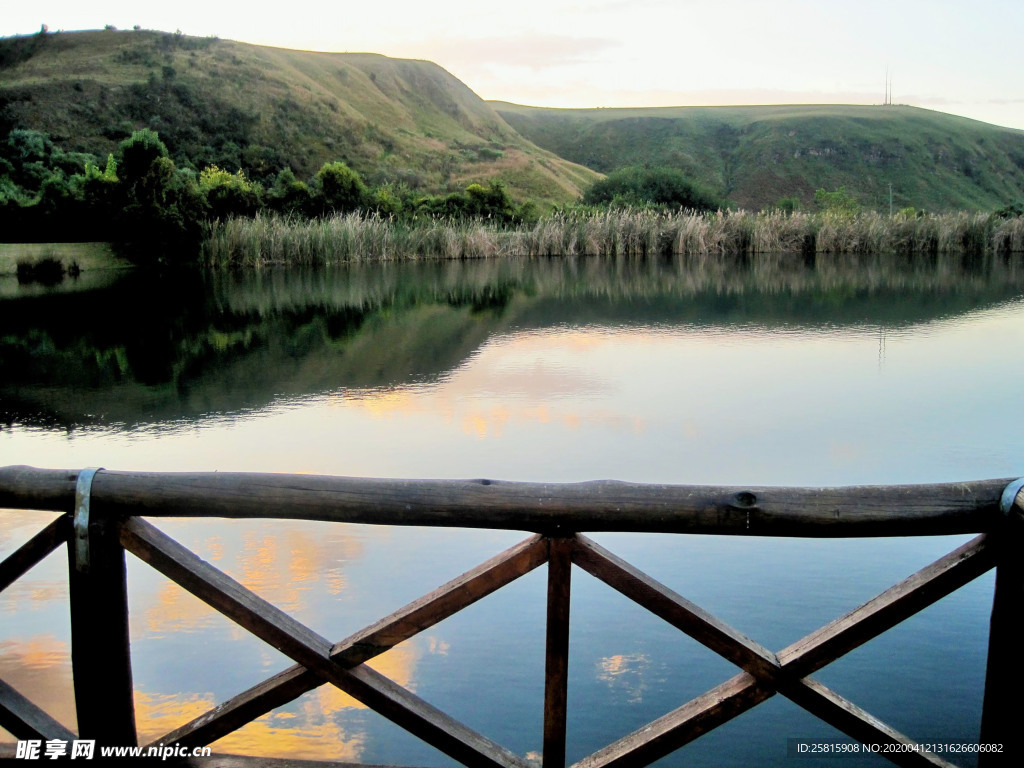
x=744, y=499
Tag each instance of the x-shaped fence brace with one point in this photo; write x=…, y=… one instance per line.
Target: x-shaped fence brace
x=318, y=661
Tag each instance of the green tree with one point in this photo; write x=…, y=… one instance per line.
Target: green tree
x=137, y=155
x=28, y=154
x=10, y=193
x=389, y=200
x=1011, y=211
x=26, y=146
x=55, y=195
x=789, y=204
x=839, y=201
x=229, y=194
x=160, y=208
x=338, y=189
x=288, y=195
x=95, y=192
x=477, y=201
x=660, y=186
x=491, y=202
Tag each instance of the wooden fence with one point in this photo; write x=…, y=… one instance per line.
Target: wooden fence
x=104, y=511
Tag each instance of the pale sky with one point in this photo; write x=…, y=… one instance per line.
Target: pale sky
x=957, y=57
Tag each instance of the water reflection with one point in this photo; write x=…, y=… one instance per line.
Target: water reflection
x=698, y=370
x=166, y=350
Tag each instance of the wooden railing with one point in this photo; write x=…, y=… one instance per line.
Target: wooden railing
x=103, y=518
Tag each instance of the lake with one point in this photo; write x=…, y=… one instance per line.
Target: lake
x=699, y=370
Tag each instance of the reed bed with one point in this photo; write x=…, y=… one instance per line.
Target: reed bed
x=265, y=240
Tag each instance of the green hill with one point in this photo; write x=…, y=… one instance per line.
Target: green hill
x=756, y=155
x=263, y=109
x=400, y=121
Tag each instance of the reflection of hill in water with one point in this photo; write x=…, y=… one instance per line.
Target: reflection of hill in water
x=152, y=349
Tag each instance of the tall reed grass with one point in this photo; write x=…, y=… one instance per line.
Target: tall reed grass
x=358, y=237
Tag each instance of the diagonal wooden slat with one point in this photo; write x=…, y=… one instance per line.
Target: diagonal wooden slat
x=681, y=726
x=896, y=604
x=33, y=551
x=858, y=724
x=816, y=650
x=219, y=591
x=232, y=714
x=675, y=609
x=309, y=649
x=443, y=602
x=27, y=721
x=399, y=626
x=424, y=720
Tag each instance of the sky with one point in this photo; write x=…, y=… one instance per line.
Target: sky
x=956, y=57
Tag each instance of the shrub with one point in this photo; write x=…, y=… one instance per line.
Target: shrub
x=840, y=201
x=787, y=205
x=338, y=189
x=638, y=187
x=229, y=194
x=288, y=195
x=47, y=271
x=162, y=206
x=490, y=202
x=1011, y=211
x=388, y=201
x=138, y=153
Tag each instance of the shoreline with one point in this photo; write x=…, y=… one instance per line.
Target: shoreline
x=81, y=257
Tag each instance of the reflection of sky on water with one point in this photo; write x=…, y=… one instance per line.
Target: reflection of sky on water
x=187, y=658
x=668, y=405
x=663, y=403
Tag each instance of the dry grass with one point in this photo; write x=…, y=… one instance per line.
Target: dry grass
x=354, y=237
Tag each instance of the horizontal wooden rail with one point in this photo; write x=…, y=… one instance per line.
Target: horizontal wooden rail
x=895, y=510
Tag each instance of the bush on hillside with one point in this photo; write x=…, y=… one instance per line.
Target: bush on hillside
x=229, y=194
x=839, y=201
x=477, y=201
x=1010, y=211
x=338, y=189
x=137, y=153
x=639, y=187
x=288, y=195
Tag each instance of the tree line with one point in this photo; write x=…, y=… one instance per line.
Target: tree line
x=140, y=196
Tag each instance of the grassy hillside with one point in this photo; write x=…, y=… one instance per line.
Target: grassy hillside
x=263, y=109
x=410, y=122
x=756, y=155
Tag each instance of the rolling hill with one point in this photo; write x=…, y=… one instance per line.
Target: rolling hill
x=402, y=121
x=758, y=154
x=263, y=109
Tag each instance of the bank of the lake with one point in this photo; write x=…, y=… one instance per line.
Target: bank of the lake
x=261, y=240
x=71, y=257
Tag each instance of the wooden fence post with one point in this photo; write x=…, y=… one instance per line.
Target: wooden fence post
x=100, y=647
x=1004, y=674
x=556, y=671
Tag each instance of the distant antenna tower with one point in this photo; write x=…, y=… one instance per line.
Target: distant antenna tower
x=888, y=88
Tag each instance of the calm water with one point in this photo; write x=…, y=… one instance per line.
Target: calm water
x=773, y=372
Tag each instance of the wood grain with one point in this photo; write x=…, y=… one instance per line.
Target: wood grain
x=605, y=505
